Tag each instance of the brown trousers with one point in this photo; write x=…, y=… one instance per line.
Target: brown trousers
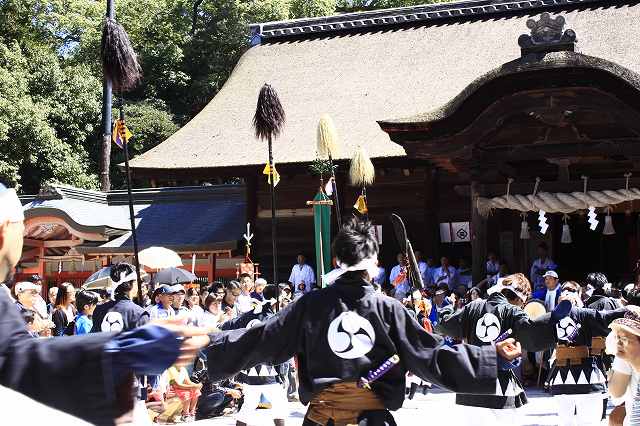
x=342, y=403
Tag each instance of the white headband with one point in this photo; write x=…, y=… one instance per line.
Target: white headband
x=10, y=207
x=370, y=264
x=124, y=277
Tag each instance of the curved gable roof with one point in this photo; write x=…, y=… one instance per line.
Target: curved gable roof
x=377, y=73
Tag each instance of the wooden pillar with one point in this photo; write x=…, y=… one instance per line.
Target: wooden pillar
x=478, y=235
x=431, y=228
x=41, y=268
x=211, y=268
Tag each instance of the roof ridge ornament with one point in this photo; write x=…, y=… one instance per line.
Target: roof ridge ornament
x=50, y=191
x=547, y=35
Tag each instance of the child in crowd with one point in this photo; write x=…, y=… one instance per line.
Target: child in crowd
x=86, y=302
x=181, y=385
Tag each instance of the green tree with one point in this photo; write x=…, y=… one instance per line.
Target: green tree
x=311, y=8
x=150, y=123
x=33, y=148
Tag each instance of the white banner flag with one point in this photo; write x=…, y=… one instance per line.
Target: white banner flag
x=460, y=232
x=445, y=232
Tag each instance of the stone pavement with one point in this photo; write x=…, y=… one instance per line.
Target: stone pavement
x=435, y=409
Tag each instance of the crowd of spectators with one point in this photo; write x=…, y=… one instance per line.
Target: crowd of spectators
x=181, y=394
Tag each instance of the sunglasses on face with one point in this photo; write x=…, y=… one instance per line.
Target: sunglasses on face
x=570, y=289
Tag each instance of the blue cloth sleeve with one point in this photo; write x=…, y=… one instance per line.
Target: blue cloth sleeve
x=504, y=364
x=147, y=350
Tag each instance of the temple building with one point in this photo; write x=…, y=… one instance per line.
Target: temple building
x=488, y=122
x=71, y=233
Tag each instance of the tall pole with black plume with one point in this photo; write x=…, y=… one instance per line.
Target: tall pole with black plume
x=121, y=73
x=268, y=122
x=107, y=96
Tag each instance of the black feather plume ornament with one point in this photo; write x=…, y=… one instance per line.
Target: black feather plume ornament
x=270, y=116
x=119, y=60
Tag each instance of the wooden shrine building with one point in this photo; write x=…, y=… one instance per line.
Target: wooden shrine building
x=457, y=104
x=70, y=233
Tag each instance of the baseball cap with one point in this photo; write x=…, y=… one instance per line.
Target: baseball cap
x=177, y=288
x=552, y=274
x=163, y=289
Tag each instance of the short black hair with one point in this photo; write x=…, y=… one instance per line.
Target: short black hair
x=597, y=280
x=269, y=292
x=232, y=285
x=34, y=278
x=355, y=242
x=118, y=270
x=86, y=297
x=543, y=246
x=217, y=285
x=244, y=275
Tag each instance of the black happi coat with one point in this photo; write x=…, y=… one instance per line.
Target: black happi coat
x=588, y=376
x=127, y=316
x=480, y=323
x=262, y=374
x=343, y=331
x=56, y=371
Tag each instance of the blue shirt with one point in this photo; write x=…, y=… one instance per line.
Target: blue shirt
x=83, y=324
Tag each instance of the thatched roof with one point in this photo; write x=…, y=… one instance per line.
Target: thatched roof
x=396, y=63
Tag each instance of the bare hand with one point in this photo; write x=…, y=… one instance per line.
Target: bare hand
x=509, y=349
x=195, y=338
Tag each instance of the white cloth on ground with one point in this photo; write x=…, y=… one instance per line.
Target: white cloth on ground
x=587, y=409
x=478, y=416
x=274, y=393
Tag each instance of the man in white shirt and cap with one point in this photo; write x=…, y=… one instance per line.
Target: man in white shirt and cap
x=302, y=277
x=550, y=294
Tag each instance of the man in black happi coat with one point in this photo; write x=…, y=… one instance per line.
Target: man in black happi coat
x=344, y=331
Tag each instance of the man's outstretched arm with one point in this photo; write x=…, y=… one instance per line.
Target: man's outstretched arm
x=461, y=368
x=272, y=342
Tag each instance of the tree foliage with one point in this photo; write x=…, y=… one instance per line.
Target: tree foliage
x=50, y=76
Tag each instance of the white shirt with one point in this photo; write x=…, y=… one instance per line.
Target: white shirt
x=302, y=273
x=622, y=366
x=381, y=277
x=158, y=311
x=446, y=276
x=195, y=316
x=424, y=270
x=243, y=302
x=209, y=320
x=550, y=299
